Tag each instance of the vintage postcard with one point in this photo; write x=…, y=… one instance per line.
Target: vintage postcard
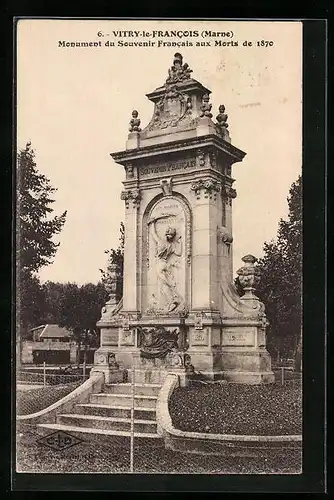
x=159, y=247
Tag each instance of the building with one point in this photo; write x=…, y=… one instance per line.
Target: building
x=54, y=345
x=50, y=333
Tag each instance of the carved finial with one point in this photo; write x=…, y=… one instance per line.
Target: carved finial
x=134, y=122
x=111, y=283
x=206, y=107
x=178, y=59
x=178, y=72
x=249, y=275
x=222, y=119
x=249, y=259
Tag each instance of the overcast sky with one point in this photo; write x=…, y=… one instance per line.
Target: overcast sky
x=74, y=105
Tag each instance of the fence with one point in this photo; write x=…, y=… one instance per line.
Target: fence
x=205, y=405
x=286, y=374
x=47, y=376
x=38, y=390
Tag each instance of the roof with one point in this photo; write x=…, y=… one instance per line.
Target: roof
x=37, y=328
x=52, y=331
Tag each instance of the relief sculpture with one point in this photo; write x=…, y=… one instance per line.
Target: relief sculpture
x=157, y=342
x=167, y=253
x=168, y=249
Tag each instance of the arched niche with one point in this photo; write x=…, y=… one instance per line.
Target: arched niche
x=166, y=255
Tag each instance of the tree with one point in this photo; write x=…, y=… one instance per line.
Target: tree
x=30, y=304
x=280, y=287
x=116, y=257
x=52, y=297
x=35, y=230
x=79, y=310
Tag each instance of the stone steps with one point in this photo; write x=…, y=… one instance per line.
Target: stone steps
x=109, y=413
x=107, y=423
x=139, y=389
x=124, y=400
x=94, y=431
x=148, y=377
x=104, y=410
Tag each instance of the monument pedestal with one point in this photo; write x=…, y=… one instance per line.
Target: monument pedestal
x=204, y=340
x=242, y=365
x=155, y=370
x=105, y=362
x=244, y=358
x=153, y=346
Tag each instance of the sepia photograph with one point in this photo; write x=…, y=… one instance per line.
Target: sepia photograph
x=159, y=250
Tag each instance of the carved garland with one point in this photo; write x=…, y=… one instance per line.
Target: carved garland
x=201, y=158
x=132, y=194
x=210, y=188
x=188, y=228
x=206, y=158
x=229, y=193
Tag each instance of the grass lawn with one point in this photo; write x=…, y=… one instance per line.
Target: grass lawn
x=35, y=400
x=238, y=409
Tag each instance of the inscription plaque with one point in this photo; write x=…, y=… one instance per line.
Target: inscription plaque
x=167, y=167
x=233, y=337
x=128, y=337
x=109, y=337
x=200, y=337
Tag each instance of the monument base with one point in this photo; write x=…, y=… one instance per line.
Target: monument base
x=247, y=366
x=105, y=362
x=121, y=364
x=155, y=346
x=206, y=362
x=250, y=378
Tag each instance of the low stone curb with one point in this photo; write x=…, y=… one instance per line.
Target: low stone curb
x=79, y=395
x=204, y=443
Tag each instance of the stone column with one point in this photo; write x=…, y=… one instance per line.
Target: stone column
x=228, y=195
x=205, y=277
x=131, y=264
x=204, y=260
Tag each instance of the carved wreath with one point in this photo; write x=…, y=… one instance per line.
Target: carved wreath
x=188, y=227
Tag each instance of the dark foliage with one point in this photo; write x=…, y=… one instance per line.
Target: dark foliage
x=36, y=227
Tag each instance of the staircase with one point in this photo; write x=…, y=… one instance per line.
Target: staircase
x=108, y=413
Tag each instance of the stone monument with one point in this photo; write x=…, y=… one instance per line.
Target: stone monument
x=180, y=310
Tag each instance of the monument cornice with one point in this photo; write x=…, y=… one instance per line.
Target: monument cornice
x=154, y=150
x=180, y=178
